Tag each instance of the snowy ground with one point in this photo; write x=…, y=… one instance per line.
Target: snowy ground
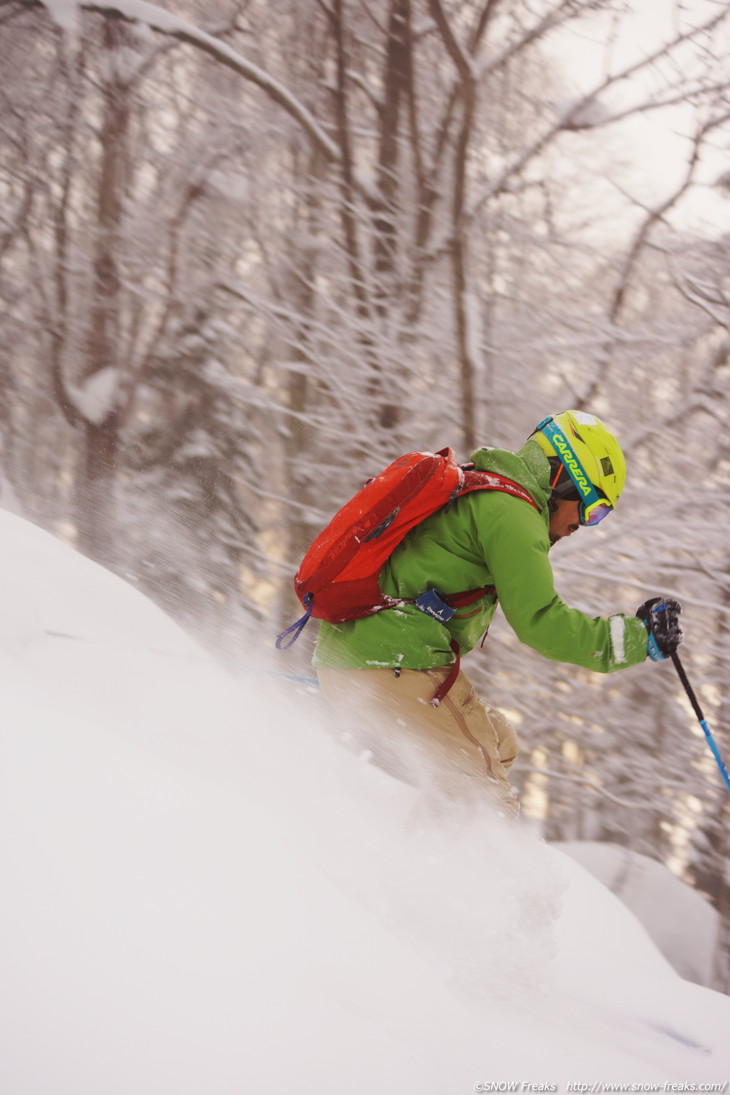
x=203, y=893
x=682, y=923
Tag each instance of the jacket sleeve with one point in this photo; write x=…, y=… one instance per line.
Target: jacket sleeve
x=517, y=546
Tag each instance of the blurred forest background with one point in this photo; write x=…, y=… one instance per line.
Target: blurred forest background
x=251, y=250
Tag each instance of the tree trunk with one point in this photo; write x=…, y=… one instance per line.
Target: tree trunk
x=95, y=490
x=96, y=473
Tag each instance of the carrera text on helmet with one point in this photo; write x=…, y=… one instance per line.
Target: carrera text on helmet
x=567, y=455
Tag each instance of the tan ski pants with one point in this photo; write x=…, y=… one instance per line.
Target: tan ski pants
x=461, y=748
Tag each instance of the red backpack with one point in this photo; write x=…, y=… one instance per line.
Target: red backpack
x=338, y=578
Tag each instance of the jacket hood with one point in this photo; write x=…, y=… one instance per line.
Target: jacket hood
x=529, y=467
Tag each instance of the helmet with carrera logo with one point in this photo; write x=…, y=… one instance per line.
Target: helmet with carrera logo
x=586, y=461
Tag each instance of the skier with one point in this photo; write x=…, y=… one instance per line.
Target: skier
x=398, y=671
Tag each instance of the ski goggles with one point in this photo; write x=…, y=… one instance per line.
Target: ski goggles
x=593, y=506
x=592, y=513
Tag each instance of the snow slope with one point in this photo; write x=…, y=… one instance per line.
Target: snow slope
x=204, y=893
x=682, y=923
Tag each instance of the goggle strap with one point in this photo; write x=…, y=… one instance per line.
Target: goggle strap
x=551, y=430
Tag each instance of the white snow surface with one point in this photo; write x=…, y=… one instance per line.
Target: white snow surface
x=682, y=923
x=96, y=398
x=205, y=893
x=64, y=13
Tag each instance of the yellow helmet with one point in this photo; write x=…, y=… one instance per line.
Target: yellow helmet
x=590, y=457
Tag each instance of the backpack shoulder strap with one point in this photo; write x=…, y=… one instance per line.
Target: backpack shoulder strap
x=491, y=480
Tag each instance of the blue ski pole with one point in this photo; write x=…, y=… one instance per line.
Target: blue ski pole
x=702, y=720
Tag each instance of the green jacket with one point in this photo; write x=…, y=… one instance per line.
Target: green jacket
x=487, y=538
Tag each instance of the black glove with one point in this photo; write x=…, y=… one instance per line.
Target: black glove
x=660, y=616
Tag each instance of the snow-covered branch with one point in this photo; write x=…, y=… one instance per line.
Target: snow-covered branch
x=626, y=804
x=589, y=112
x=156, y=17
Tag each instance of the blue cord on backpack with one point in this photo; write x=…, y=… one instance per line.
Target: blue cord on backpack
x=294, y=630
